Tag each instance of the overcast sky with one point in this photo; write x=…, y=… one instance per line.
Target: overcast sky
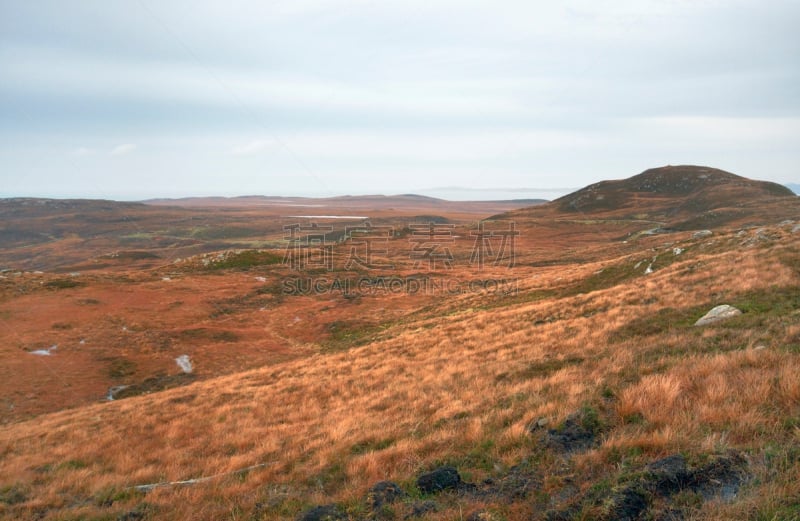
x=145, y=98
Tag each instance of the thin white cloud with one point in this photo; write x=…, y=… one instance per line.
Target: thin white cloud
x=426, y=92
x=83, y=152
x=125, y=148
x=252, y=147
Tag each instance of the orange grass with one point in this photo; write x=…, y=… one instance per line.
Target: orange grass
x=460, y=386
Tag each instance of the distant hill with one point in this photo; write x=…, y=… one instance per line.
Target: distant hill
x=679, y=197
x=344, y=201
x=794, y=187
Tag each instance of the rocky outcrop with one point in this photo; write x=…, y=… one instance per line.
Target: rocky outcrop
x=718, y=314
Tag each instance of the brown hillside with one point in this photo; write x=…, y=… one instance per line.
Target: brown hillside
x=677, y=197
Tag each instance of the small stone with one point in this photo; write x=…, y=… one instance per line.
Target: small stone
x=537, y=424
x=184, y=363
x=575, y=434
x=717, y=314
x=702, y=233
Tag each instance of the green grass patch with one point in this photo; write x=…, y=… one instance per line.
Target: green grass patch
x=545, y=368
x=73, y=464
x=608, y=277
x=62, y=284
x=758, y=307
x=121, y=368
x=371, y=445
x=202, y=333
x=61, y=326
x=245, y=260
x=109, y=495
x=345, y=334
x=226, y=232
x=12, y=494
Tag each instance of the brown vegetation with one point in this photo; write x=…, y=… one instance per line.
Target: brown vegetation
x=347, y=392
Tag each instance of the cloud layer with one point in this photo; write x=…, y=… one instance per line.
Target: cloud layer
x=353, y=96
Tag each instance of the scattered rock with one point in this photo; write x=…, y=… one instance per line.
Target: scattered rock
x=720, y=478
x=540, y=423
x=668, y=475
x=184, y=363
x=323, y=513
x=702, y=233
x=761, y=235
x=152, y=384
x=44, y=352
x=577, y=433
x=384, y=493
x=717, y=314
x=443, y=478
x=420, y=508
x=515, y=485
x=626, y=504
x=643, y=496
x=114, y=391
x=796, y=228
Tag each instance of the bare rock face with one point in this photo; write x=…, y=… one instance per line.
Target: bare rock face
x=717, y=314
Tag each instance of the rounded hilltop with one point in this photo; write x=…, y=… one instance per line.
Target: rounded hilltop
x=681, y=197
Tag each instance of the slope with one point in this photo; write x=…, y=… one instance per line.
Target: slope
x=676, y=197
x=484, y=384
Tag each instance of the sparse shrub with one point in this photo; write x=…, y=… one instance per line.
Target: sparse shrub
x=12, y=494
x=245, y=260
x=61, y=326
x=121, y=367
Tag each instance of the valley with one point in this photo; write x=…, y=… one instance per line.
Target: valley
x=438, y=360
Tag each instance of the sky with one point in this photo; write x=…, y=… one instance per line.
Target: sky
x=467, y=99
